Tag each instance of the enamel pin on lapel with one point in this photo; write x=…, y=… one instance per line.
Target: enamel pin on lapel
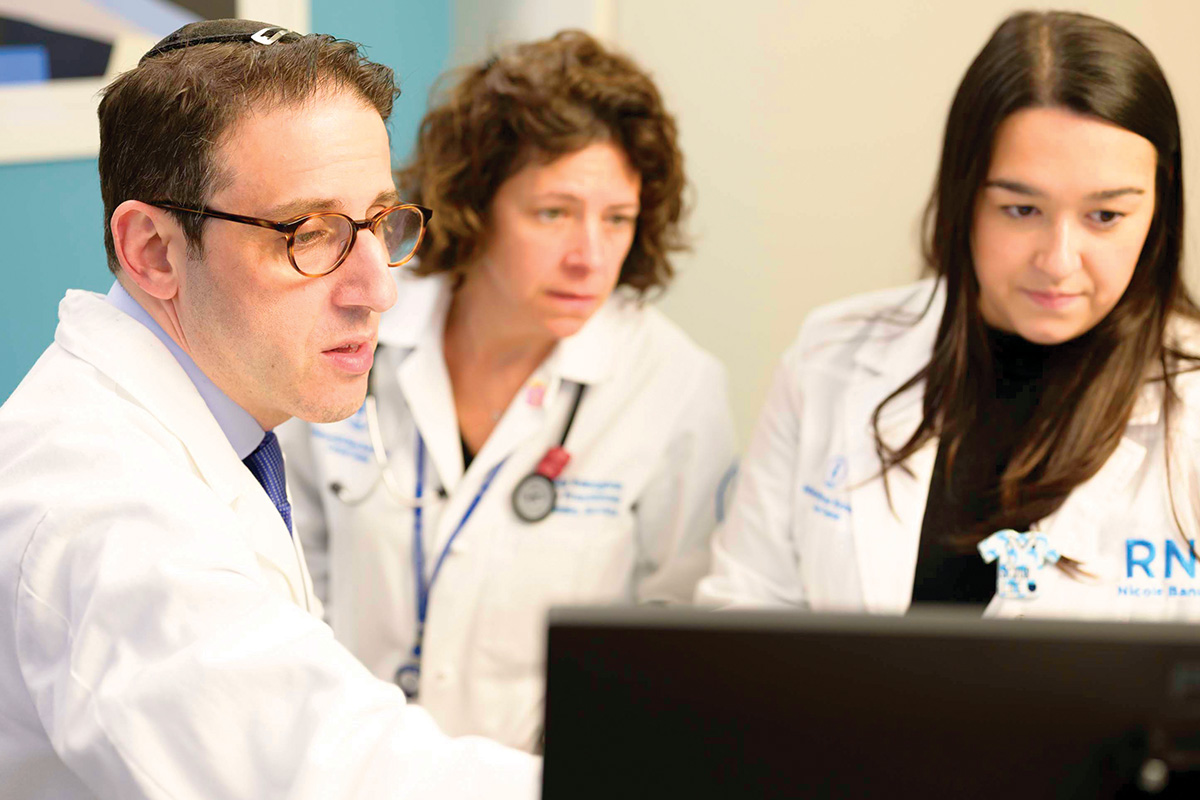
x=1022, y=556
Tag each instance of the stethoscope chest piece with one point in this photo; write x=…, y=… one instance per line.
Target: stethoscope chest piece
x=408, y=678
x=535, y=495
x=534, y=498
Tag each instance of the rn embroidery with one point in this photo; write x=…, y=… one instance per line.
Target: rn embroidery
x=1022, y=556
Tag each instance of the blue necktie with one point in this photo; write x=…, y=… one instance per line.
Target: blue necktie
x=266, y=465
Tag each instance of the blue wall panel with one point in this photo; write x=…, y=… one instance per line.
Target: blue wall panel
x=51, y=218
x=52, y=229
x=411, y=37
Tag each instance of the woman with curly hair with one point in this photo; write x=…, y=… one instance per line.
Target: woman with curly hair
x=535, y=433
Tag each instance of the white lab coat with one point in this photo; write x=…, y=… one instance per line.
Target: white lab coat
x=649, y=447
x=154, y=637
x=810, y=524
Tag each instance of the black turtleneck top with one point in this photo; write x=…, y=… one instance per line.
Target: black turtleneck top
x=970, y=493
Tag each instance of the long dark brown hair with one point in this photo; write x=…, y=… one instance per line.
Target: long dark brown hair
x=1091, y=67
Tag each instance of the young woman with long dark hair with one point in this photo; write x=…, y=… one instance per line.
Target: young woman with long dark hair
x=1018, y=431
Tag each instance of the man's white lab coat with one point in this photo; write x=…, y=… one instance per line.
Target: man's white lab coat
x=158, y=633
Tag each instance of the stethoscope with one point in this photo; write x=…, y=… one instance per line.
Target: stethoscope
x=382, y=462
x=533, y=500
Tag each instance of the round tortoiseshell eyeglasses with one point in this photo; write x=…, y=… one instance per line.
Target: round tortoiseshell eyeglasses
x=319, y=243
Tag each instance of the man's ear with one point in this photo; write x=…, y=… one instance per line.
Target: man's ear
x=150, y=246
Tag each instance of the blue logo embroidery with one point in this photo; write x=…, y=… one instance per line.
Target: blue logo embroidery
x=1159, y=568
x=835, y=476
x=359, y=421
x=588, y=498
x=828, y=501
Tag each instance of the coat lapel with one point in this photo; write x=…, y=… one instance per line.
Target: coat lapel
x=104, y=336
x=887, y=520
x=425, y=385
x=414, y=328
x=1074, y=528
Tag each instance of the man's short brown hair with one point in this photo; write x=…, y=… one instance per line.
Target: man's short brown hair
x=539, y=101
x=161, y=122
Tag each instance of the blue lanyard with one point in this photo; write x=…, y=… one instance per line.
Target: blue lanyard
x=425, y=587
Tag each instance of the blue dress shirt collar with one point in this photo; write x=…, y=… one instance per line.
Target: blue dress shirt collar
x=240, y=428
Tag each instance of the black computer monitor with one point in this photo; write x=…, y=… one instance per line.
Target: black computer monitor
x=690, y=704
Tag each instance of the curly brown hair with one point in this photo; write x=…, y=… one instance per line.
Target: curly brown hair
x=542, y=100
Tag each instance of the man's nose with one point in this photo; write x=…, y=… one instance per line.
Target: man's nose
x=365, y=278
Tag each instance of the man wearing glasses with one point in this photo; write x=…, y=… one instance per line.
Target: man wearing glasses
x=158, y=632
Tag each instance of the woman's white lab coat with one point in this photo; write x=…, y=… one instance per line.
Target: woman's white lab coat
x=811, y=525
x=155, y=637
x=637, y=503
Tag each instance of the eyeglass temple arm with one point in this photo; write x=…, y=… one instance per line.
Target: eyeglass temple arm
x=281, y=227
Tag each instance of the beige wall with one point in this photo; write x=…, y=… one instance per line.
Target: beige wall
x=811, y=131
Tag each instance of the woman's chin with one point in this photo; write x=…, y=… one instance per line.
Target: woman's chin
x=1051, y=332
x=561, y=328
